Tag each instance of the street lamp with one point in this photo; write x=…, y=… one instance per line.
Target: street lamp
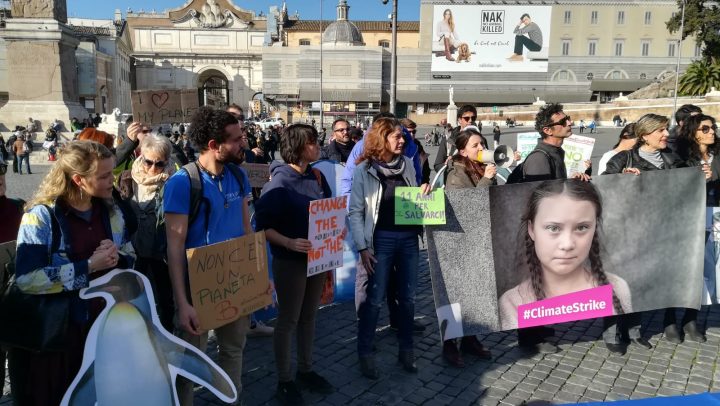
x=393, y=57
x=706, y=4
x=677, y=68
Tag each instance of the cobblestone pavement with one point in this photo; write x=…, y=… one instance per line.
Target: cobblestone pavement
x=582, y=371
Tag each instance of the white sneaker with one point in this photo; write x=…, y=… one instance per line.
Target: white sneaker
x=260, y=330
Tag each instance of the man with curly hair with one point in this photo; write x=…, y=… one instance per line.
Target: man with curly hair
x=222, y=215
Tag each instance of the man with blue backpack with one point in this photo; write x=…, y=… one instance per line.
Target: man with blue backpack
x=206, y=202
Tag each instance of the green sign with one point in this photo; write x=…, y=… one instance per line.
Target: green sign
x=495, y=109
x=414, y=207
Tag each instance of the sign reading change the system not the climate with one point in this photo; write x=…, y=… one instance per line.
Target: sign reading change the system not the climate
x=229, y=279
x=326, y=232
x=164, y=106
x=413, y=207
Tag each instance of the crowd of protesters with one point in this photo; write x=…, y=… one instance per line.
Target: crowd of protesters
x=84, y=219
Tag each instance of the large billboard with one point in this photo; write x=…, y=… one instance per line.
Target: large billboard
x=490, y=38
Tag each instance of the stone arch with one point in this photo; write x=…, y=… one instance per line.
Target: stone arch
x=559, y=76
x=214, y=88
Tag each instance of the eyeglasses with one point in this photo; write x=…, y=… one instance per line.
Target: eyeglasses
x=563, y=122
x=3, y=169
x=411, y=130
x=342, y=130
x=706, y=129
x=469, y=118
x=145, y=131
x=157, y=164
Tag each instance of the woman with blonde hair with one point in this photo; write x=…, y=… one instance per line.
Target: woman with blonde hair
x=387, y=250
x=148, y=174
x=74, y=231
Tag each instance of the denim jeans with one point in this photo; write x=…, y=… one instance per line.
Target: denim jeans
x=397, y=254
x=25, y=158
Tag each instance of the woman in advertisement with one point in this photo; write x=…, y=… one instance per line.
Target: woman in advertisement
x=445, y=31
x=560, y=246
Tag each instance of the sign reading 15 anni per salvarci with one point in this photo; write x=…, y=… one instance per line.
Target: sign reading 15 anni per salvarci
x=488, y=32
x=412, y=207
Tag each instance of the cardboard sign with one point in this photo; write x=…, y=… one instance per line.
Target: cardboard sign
x=414, y=207
x=526, y=143
x=258, y=174
x=228, y=279
x=578, y=149
x=326, y=232
x=164, y=106
x=7, y=256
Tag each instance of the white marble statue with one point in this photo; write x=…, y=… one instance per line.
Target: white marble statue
x=452, y=95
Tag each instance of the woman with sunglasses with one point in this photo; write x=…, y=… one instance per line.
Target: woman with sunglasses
x=147, y=176
x=697, y=145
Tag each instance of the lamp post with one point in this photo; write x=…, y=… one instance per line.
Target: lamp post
x=393, y=59
x=677, y=68
x=321, y=64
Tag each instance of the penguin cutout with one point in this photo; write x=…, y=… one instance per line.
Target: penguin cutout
x=130, y=359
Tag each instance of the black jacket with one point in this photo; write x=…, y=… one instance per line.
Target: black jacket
x=442, y=153
x=713, y=184
x=632, y=159
x=332, y=151
x=538, y=167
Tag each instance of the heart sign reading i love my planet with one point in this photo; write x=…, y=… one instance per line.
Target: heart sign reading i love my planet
x=164, y=106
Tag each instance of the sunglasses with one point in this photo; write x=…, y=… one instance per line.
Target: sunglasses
x=706, y=129
x=157, y=164
x=469, y=118
x=145, y=131
x=563, y=122
x=3, y=169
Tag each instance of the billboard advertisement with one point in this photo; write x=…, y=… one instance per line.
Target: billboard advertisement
x=490, y=38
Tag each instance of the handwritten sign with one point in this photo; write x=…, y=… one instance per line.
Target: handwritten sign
x=326, y=232
x=7, y=256
x=228, y=279
x=258, y=174
x=164, y=106
x=578, y=149
x=526, y=143
x=414, y=207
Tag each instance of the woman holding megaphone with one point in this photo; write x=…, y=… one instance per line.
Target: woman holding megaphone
x=465, y=171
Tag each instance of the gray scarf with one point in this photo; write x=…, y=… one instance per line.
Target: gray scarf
x=392, y=168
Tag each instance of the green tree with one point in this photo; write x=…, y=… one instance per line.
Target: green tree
x=701, y=20
x=699, y=77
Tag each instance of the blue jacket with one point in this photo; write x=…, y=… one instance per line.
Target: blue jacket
x=411, y=151
x=285, y=203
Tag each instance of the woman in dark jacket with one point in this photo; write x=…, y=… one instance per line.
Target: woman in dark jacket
x=282, y=211
x=649, y=154
x=697, y=144
x=651, y=151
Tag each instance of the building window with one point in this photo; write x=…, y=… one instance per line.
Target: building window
x=645, y=47
x=619, y=47
x=568, y=16
x=563, y=76
x=592, y=47
x=565, y=47
x=643, y=76
x=589, y=76
x=304, y=42
x=384, y=43
x=615, y=74
x=671, y=48
x=648, y=17
x=621, y=17
x=593, y=17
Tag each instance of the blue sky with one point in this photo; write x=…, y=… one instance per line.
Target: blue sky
x=309, y=9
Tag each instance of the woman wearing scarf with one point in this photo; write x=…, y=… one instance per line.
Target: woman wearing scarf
x=387, y=250
x=148, y=174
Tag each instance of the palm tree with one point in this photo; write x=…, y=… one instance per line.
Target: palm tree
x=699, y=77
